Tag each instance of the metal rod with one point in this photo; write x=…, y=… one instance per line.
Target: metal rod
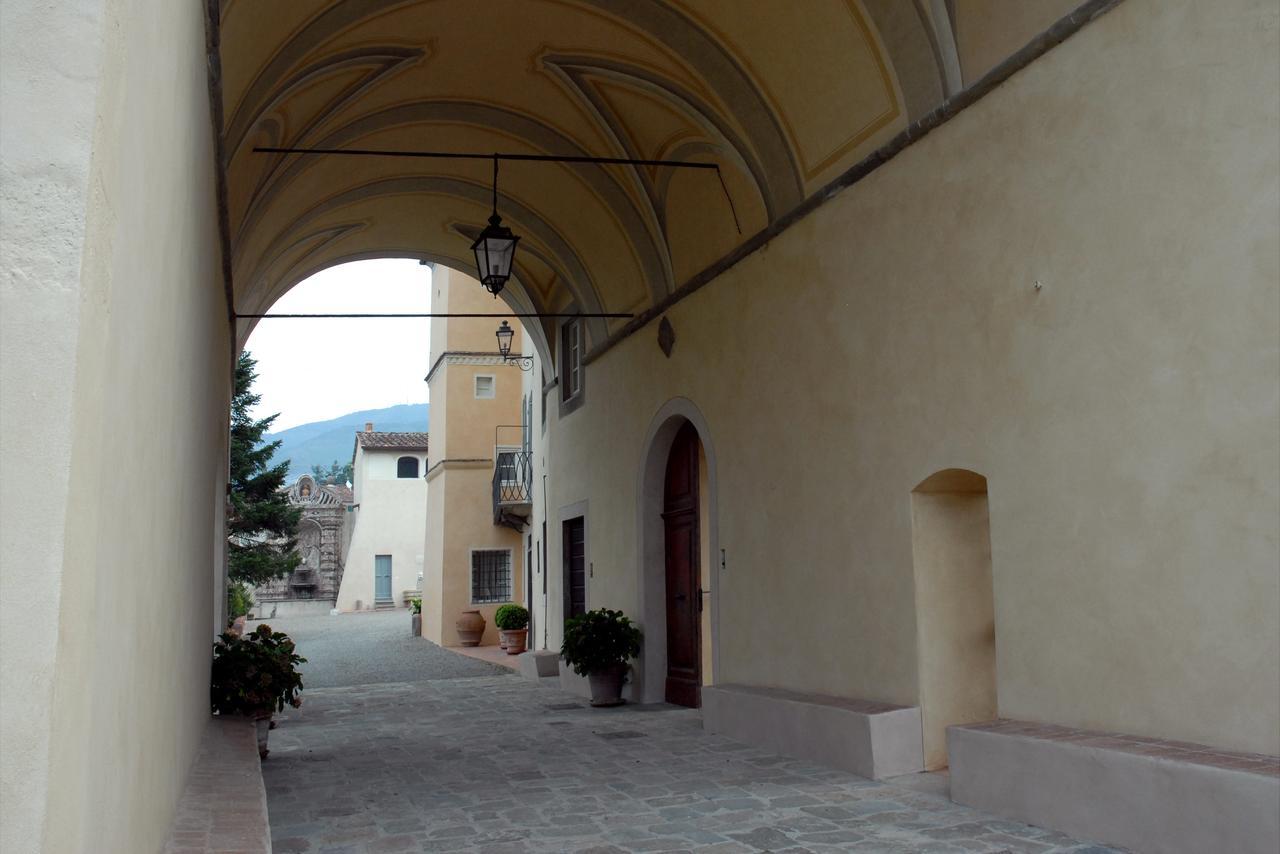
x=458, y=155
x=439, y=314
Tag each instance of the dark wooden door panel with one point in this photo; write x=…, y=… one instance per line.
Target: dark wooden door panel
x=682, y=551
x=575, y=567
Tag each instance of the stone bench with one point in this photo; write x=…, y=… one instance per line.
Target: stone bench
x=1147, y=794
x=873, y=740
x=224, y=804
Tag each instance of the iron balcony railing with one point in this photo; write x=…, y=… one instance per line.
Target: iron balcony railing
x=512, y=484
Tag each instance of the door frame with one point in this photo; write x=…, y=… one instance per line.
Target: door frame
x=564, y=514
x=651, y=567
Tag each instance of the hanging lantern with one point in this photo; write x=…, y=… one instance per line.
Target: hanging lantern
x=495, y=248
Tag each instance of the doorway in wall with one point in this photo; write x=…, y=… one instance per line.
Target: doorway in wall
x=575, y=566
x=681, y=527
x=382, y=579
x=955, y=613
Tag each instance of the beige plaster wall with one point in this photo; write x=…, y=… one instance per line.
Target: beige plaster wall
x=117, y=363
x=1125, y=415
x=390, y=520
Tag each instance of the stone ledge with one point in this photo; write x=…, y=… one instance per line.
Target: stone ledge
x=1148, y=794
x=224, y=805
x=538, y=664
x=875, y=740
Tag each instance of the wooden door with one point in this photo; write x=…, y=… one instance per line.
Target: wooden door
x=382, y=578
x=684, y=601
x=575, y=567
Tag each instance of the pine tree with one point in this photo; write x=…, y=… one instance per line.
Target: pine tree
x=261, y=525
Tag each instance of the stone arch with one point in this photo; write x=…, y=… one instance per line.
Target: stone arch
x=955, y=605
x=650, y=675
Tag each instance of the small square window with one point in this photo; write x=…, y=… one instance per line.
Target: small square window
x=484, y=386
x=490, y=576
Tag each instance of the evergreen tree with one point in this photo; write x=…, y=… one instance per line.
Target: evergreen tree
x=261, y=525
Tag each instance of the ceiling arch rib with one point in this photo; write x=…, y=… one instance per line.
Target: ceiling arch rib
x=566, y=259
x=729, y=145
x=538, y=135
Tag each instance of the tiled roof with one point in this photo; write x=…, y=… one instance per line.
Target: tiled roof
x=392, y=441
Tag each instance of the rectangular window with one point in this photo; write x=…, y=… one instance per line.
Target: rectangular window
x=490, y=576
x=571, y=359
x=484, y=386
x=575, y=566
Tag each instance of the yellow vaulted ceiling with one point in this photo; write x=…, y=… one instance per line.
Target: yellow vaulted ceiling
x=783, y=95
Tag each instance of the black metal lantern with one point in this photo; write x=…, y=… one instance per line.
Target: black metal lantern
x=505, y=333
x=495, y=248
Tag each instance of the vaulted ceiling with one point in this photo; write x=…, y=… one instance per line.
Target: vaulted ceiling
x=784, y=96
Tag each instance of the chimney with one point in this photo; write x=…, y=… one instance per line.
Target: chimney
x=368, y=426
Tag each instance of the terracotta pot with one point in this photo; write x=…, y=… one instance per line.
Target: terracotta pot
x=237, y=627
x=502, y=639
x=470, y=628
x=516, y=640
x=416, y=625
x=606, y=685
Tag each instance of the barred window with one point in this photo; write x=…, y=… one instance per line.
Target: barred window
x=490, y=576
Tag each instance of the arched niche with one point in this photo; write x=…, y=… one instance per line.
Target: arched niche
x=955, y=609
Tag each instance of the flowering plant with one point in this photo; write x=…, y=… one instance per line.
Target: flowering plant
x=256, y=674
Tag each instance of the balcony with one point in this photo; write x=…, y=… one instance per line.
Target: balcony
x=512, y=488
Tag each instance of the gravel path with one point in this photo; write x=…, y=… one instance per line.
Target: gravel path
x=372, y=648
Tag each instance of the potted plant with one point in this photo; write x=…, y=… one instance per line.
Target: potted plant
x=598, y=645
x=513, y=626
x=256, y=676
x=415, y=612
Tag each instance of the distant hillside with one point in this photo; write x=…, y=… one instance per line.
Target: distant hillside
x=322, y=442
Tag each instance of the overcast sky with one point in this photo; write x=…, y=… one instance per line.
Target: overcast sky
x=313, y=370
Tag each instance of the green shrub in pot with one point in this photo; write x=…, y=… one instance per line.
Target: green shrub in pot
x=510, y=617
x=598, y=645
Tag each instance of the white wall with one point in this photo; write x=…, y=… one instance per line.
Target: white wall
x=116, y=377
x=390, y=520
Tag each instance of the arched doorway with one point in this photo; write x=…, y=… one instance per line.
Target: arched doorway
x=677, y=520
x=683, y=569
x=955, y=612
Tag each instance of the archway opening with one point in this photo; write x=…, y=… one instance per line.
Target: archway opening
x=955, y=612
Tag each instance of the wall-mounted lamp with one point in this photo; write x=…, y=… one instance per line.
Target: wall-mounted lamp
x=505, y=333
x=495, y=248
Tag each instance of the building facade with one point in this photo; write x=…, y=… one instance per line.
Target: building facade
x=478, y=474
x=323, y=537
x=385, y=558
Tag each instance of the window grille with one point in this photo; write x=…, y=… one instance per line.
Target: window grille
x=490, y=576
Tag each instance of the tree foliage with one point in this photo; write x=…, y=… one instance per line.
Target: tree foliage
x=340, y=472
x=262, y=526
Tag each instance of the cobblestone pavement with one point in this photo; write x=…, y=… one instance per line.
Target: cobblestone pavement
x=500, y=764
x=360, y=649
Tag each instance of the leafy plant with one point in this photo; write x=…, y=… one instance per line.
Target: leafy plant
x=415, y=606
x=510, y=617
x=256, y=674
x=239, y=600
x=599, y=640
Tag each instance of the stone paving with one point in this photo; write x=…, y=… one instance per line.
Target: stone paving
x=498, y=764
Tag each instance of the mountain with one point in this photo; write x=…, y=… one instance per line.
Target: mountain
x=322, y=442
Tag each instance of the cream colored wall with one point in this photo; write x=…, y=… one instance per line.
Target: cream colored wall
x=385, y=466
x=1125, y=415
x=391, y=520
x=116, y=376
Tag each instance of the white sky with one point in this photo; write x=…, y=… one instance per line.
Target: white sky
x=313, y=370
